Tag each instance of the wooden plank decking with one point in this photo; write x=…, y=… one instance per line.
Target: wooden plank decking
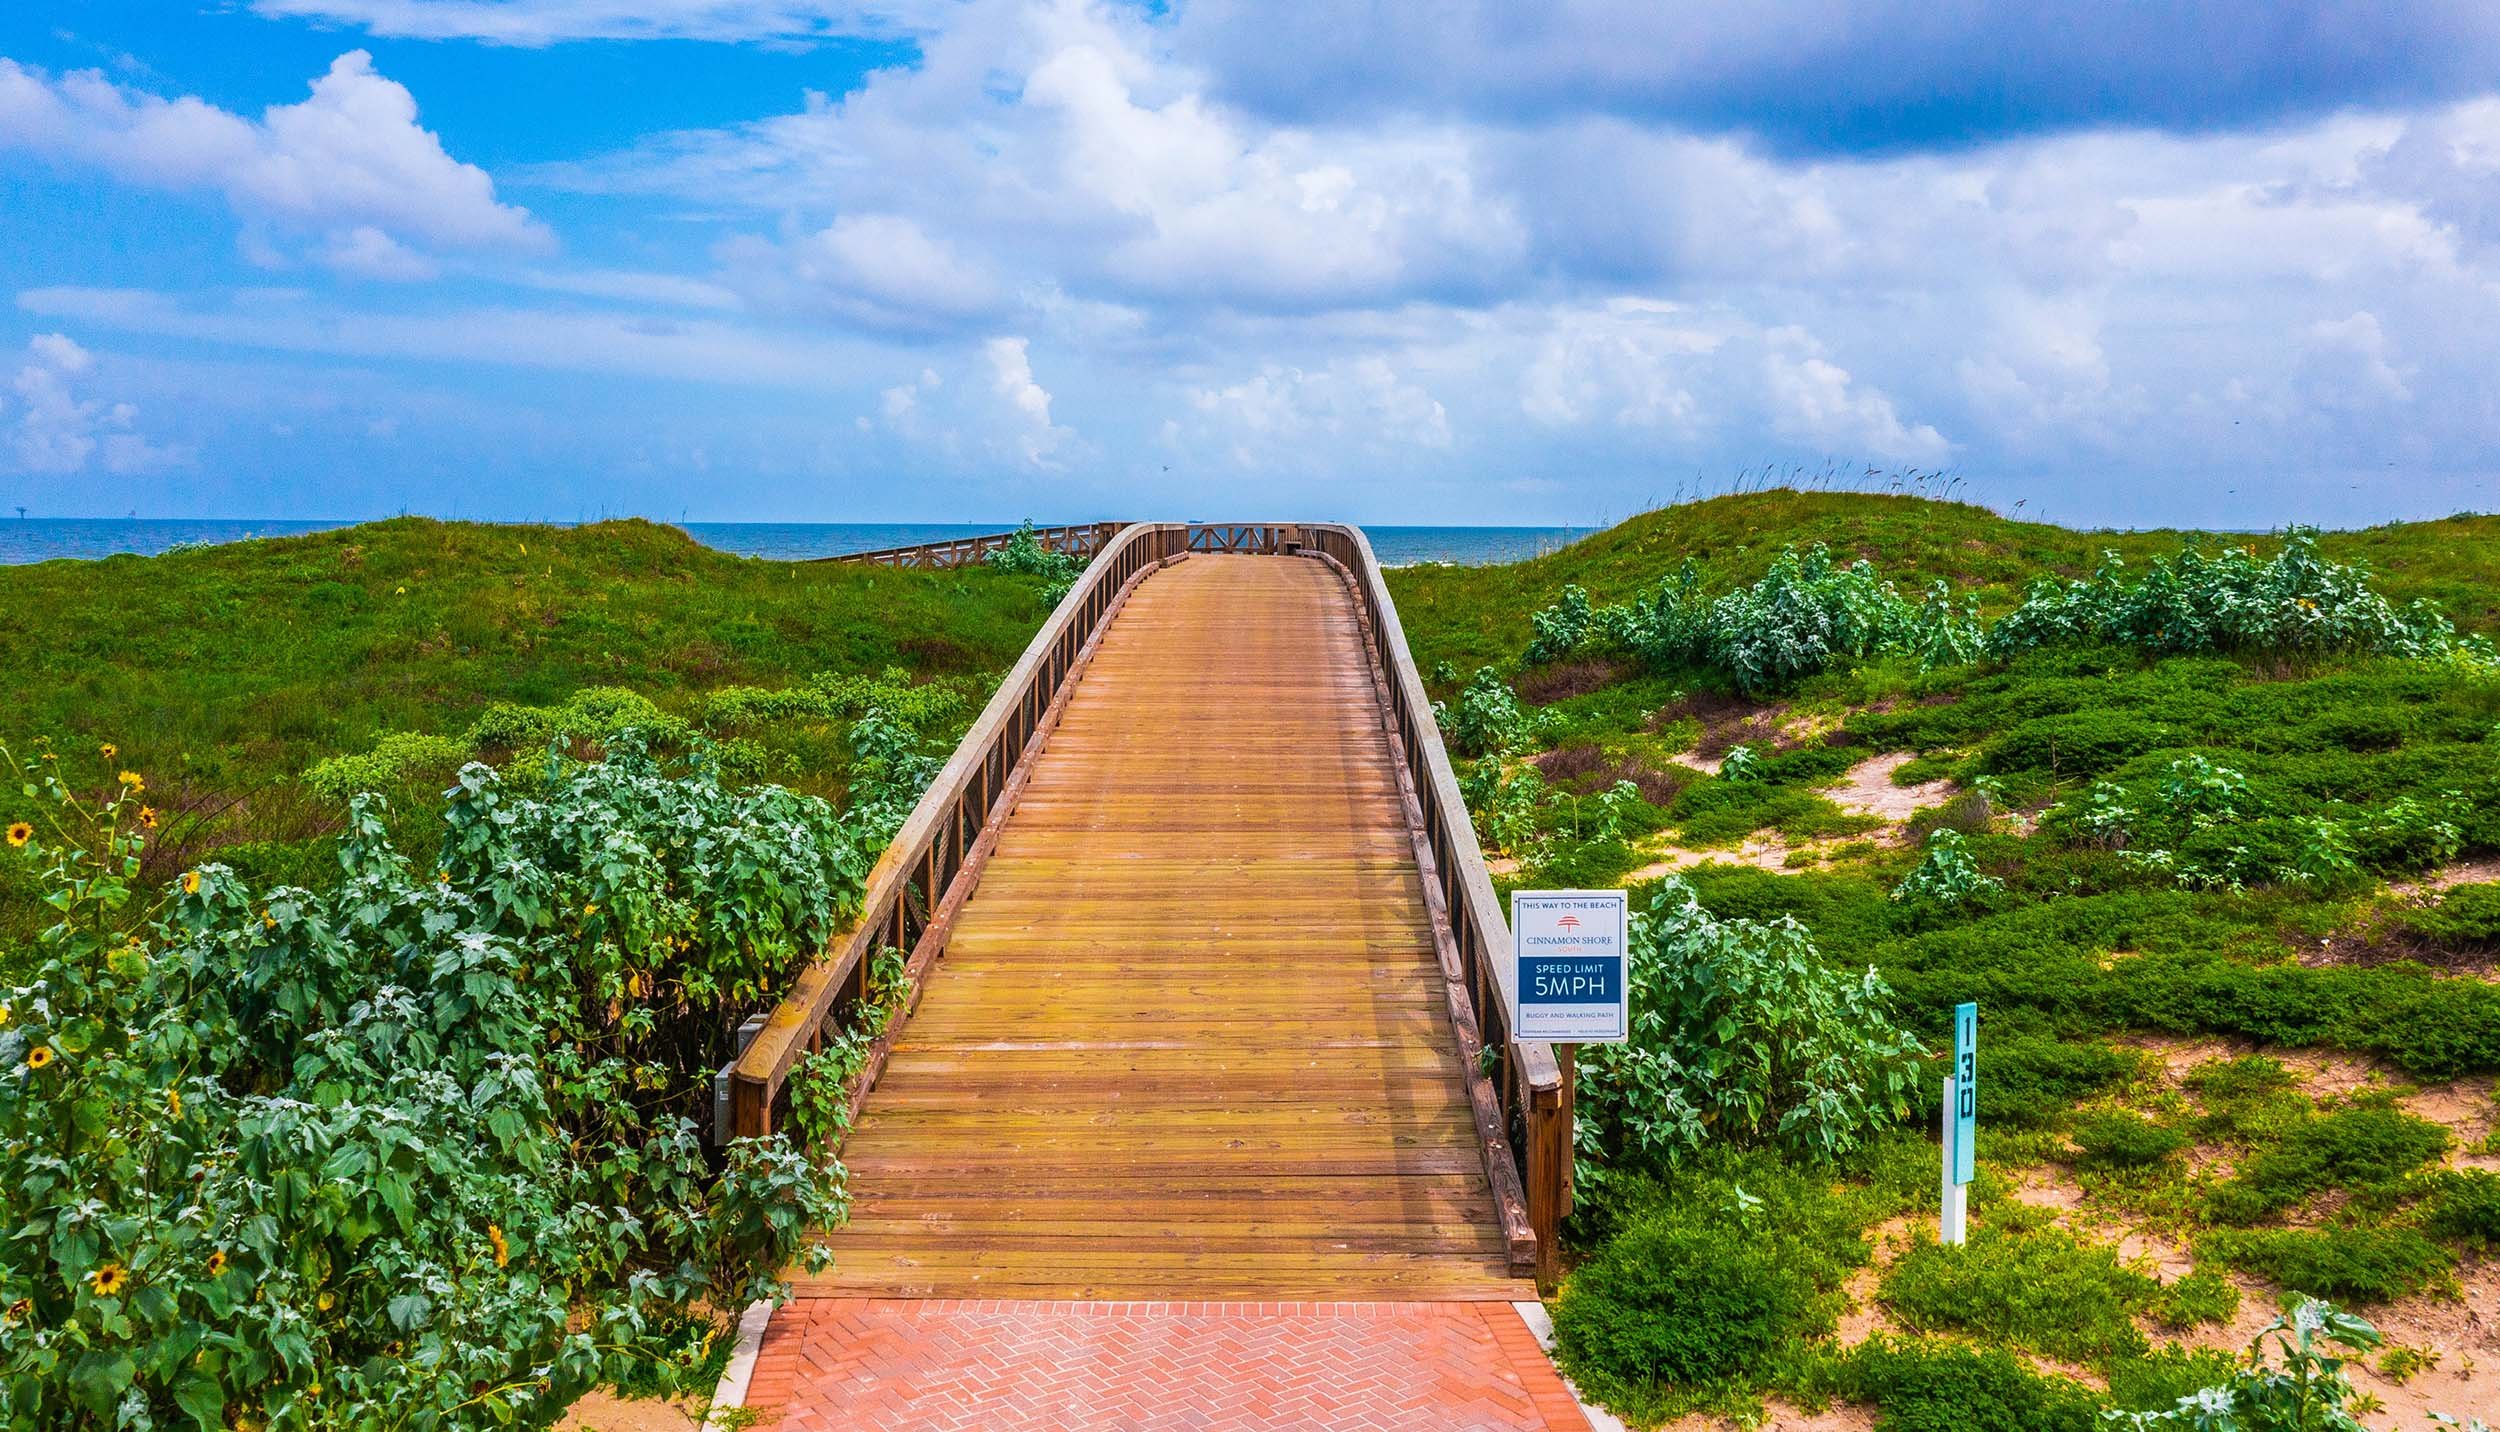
x=1188, y=1039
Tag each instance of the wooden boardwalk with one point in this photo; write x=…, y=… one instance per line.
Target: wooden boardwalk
x=1188, y=1038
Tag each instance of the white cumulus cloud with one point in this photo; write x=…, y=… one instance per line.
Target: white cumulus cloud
x=350, y=166
x=57, y=432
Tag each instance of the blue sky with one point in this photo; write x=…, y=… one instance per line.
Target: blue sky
x=2229, y=262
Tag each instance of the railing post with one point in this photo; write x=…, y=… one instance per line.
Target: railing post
x=1549, y=1166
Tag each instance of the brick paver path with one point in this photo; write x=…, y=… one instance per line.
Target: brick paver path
x=900, y=1365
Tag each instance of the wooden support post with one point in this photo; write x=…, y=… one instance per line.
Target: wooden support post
x=1549, y=1170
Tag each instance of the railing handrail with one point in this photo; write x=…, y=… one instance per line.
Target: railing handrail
x=1535, y=1087
x=943, y=826
x=957, y=551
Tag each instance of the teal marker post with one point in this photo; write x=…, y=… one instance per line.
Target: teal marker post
x=1961, y=1124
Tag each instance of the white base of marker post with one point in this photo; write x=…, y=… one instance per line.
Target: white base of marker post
x=1955, y=1225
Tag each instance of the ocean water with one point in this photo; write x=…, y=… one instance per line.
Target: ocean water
x=45, y=539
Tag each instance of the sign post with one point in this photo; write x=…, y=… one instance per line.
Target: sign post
x=1961, y=1124
x=1570, y=984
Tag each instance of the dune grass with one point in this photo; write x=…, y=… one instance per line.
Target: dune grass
x=225, y=673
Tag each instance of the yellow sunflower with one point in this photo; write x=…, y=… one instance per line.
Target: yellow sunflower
x=190, y=882
x=503, y=1251
x=131, y=782
x=20, y=832
x=18, y=1312
x=109, y=1280
x=39, y=1056
x=217, y=1262
x=147, y=817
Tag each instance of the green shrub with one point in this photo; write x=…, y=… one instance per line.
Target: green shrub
x=395, y=760
x=1489, y=721
x=2203, y=1296
x=2046, y=1290
x=1681, y=1303
x=1803, y=616
x=1968, y=812
x=2306, y=1391
x=424, y=1146
x=833, y=696
x=2249, y=1076
x=1025, y=556
x=2467, y=917
x=2374, y=1265
x=2122, y=1140
x=1945, y=879
x=1741, y=1035
x=1708, y=1285
x=2465, y=1208
x=2028, y=1081
x=1717, y=811
x=2363, y=1147
x=1930, y=1385
x=2156, y=1381
x=1504, y=805
x=2294, y=604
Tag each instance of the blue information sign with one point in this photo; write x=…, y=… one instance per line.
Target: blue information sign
x=1567, y=957
x=1965, y=1089
x=1565, y=979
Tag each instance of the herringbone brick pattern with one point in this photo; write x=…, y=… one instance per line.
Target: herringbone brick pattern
x=896, y=1365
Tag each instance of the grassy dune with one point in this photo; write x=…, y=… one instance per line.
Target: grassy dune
x=1469, y=616
x=2233, y=921
x=224, y=673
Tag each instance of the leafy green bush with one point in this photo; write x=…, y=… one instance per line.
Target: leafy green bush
x=1504, y=805
x=2374, y=1265
x=1025, y=556
x=2248, y=1076
x=1804, y=615
x=1945, y=879
x=507, y=1048
x=2044, y=1290
x=592, y=715
x=1740, y=1033
x=1932, y=1385
x=1969, y=812
x=2465, y=1208
x=2030, y=1081
x=395, y=760
x=1681, y=1302
x=1489, y=721
x=1707, y=1287
x=2295, y=604
x=2158, y=1380
x=2120, y=1140
x=2307, y=1391
x=2203, y=1296
x=834, y=696
x=2467, y=917
x=2363, y=1147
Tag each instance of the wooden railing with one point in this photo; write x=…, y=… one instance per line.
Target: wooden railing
x=1527, y=1132
x=921, y=882
x=1522, y=1105
x=1081, y=539
x=1266, y=538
